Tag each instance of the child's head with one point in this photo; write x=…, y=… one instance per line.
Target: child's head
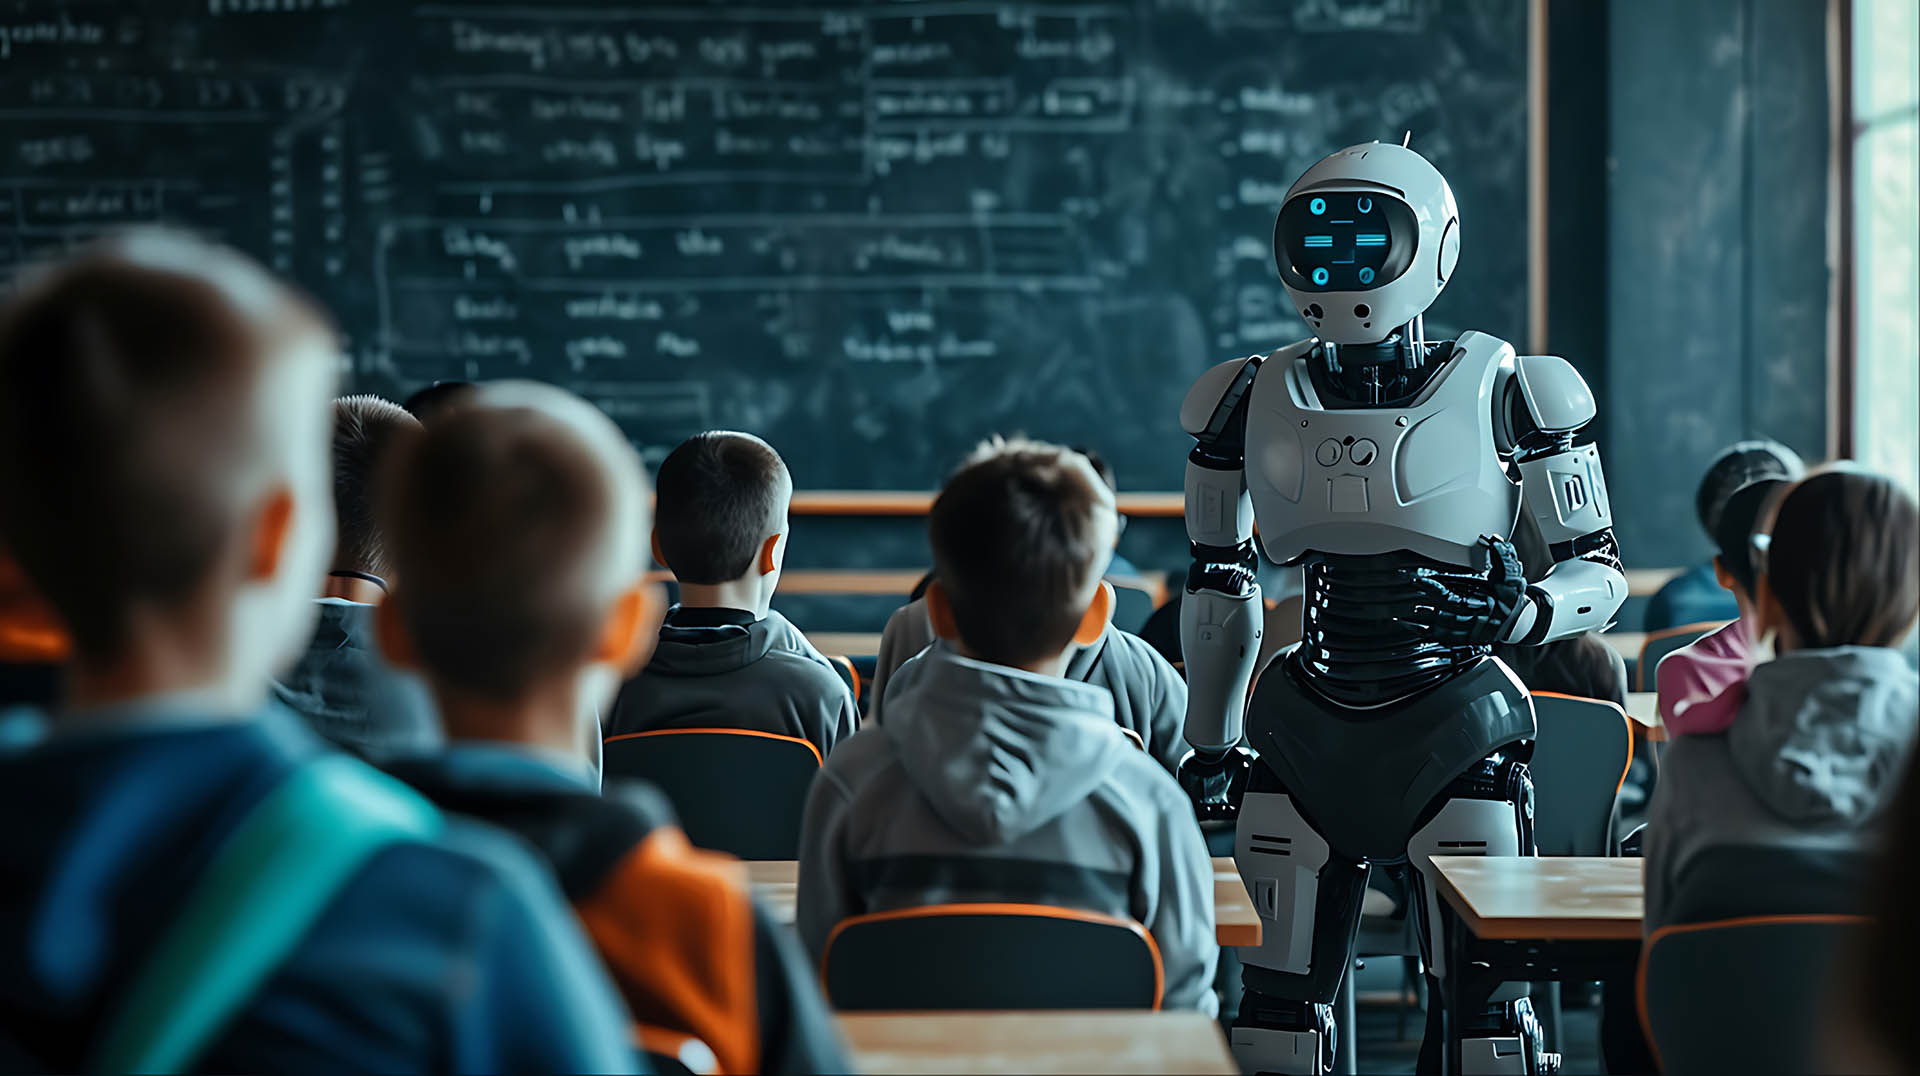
x=1841, y=566
x=164, y=423
x=721, y=515
x=1020, y=536
x=365, y=430
x=429, y=403
x=1735, y=466
x=1733, y=561
x=516, y=526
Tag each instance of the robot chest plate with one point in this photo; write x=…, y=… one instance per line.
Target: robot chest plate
x=1424, y=477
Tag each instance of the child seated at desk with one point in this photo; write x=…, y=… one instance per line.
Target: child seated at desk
x=995, y=778
x=726, y=659
x=517, y=526
x=1827, y=724
x=1149, y=697
x=1703, y=684
x=1694, y=596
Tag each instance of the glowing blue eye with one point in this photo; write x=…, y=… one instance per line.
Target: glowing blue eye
x=1365, y=205
x=1366, y=275
x=1317, y=206
x=1320, y=275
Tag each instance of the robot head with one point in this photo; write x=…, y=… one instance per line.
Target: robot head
x=1365, y=241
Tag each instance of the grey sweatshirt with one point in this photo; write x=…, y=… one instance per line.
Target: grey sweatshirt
x=1149, y=697
x=725, y=669
x=1818, y=746
x=991, y=784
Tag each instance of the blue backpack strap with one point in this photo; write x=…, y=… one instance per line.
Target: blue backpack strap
x=268, y=883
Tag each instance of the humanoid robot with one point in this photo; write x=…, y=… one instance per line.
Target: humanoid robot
x=1393, y=468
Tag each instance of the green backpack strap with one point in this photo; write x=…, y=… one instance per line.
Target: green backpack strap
x=266, y=886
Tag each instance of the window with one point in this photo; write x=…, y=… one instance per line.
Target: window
x=1885, y=149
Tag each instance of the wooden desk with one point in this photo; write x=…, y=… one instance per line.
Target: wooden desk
x=846, y=644
x=1234, y=920
x=1644, y=708
x=1526, y=919
x=1545, y=897
x=1039, y=1042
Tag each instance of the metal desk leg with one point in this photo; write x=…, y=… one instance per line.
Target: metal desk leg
x=1346, y=1056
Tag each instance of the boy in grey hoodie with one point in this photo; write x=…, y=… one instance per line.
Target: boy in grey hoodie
x=1826, y=726
x=725, y=658
x=995, y=778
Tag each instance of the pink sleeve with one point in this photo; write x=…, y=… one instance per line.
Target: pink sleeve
x=1702, y=686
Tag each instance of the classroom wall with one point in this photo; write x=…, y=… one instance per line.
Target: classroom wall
x=1717, y=275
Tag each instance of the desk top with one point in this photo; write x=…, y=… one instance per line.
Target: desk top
x=1522, y=897
x=1039, y=1042
x=1644, y=708
x=1235, y=922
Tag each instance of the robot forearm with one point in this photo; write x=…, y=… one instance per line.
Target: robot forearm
x=1577, y=596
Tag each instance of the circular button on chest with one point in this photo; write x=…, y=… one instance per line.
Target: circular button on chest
x=1363, y=452
x=1328, y=453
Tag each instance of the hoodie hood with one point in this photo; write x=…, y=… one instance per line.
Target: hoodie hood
x=996, y=751
x=1824, y=733
x=709, y=649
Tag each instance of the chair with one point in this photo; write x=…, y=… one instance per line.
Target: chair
x=735, y=790
x=850, y=676
x=1580, y=760
x=991, y=956
x=1658, y=644
x=1739, y=995
x=867, y=668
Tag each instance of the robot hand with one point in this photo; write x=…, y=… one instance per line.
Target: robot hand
x=1216, y=783
x=1477, y=617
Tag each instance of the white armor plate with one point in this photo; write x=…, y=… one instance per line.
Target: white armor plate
x=1424, y=477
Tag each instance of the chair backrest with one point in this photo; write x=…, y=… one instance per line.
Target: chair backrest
x=850, y=676
x=1658, y=644
x=1739, y=995
x=1735, y=881
x=991, y=956
x=735, y=790
x=1580, y=758
x=867, y=668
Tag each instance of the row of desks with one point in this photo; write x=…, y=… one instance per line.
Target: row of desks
x=1504, y=919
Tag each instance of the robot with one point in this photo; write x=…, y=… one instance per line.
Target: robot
x=1393, y=469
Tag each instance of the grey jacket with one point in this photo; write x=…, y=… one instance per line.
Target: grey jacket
x=991, y=784
x=1816, y=749
x=760, y=675
x=1149, y=697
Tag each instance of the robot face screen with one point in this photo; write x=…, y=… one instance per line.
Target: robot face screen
x=1344, y=240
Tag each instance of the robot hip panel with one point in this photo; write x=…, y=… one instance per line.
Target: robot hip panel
x=1363, y=778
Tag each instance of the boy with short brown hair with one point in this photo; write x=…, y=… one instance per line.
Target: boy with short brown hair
x=517, y=526
x=994, y=778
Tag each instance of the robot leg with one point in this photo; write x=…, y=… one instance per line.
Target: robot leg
x=1308, y=898
x=1487, y=810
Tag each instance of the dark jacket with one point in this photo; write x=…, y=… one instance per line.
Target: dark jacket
x=721, y=668
x=1694, y=596
x=451, y=956
x=343, y=688
x=690, y=949
x=987, y=783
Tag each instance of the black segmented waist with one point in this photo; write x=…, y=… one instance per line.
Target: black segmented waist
x=1355, y=647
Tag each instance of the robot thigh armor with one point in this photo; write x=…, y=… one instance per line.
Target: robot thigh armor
x=1363, y=777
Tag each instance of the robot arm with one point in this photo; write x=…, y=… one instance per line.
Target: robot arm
x=1565, y=491
x=1221, y=613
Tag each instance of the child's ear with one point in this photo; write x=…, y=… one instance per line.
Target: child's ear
x=390, y=632
x=770, y=554
x=1720, y=573
x=940, y=613
x=632, y=628
x=1093, y=623
x=271, y=533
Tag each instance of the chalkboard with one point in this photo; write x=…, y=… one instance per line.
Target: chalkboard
x=872, y=232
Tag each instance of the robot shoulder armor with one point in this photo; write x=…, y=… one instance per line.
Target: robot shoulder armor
x=1205, y=395
x=1557, y=397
